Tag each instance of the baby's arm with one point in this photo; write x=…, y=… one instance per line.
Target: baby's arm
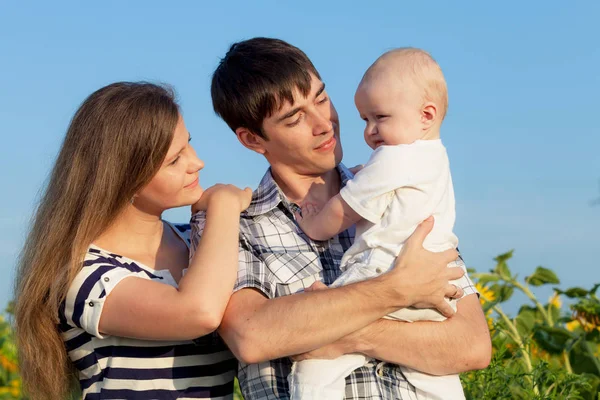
x=335, y=217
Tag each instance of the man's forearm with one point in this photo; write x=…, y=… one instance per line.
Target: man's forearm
x=459, y=344
x=258, y=329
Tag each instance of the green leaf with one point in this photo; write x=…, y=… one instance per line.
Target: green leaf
x=593, y=336
x=484, y=278
x=573, y=292
x=501, y=266
x=581, y=360
x=525, y=320
x=10, y=308
x=502, y=292
x=504, y=257
x=503, y=270
x=542, y=276
x=554, y=313
x=553, y=340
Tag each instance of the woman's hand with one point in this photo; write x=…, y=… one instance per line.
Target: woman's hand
x=222, y=193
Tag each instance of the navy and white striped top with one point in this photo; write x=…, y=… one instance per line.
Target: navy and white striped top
x=112, y=367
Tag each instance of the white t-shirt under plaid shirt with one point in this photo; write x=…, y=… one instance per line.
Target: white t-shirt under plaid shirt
x=278, y=259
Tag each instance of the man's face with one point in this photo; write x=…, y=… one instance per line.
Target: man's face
x=304, y=137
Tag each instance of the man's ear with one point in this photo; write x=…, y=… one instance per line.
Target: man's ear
x=428, y=114
x=250, y=140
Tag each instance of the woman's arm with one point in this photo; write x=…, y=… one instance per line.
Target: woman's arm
x=145, y=309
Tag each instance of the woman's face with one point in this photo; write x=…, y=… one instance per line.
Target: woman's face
x=176, y=183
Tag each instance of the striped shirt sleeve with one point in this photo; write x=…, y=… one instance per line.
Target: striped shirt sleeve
x=88, y=292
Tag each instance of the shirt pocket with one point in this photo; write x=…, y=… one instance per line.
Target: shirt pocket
x=294, y=271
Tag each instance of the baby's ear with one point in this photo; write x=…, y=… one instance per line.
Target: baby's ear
x=428, y=114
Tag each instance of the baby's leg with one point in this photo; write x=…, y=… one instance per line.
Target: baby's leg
x=356, y=272
x=434, y=387
x=411, y=314
x=322, y=379
x=326, y=379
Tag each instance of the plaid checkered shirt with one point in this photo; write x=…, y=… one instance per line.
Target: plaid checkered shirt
x=278, y=259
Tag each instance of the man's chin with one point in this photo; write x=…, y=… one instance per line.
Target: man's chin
x=338, y=154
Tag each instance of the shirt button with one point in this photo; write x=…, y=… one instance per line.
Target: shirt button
x=106, y=279
x=91, y=304
x=378, y=270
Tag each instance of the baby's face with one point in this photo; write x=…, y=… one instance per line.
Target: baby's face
x=392, y=111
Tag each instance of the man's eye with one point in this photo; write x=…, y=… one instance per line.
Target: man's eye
x=323, y=100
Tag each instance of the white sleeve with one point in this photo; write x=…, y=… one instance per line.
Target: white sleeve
x=89, y=290
x=371, y=190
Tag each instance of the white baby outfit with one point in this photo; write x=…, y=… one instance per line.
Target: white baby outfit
x=398, y=188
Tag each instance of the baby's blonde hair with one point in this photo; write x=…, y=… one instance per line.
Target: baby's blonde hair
x=417, y=66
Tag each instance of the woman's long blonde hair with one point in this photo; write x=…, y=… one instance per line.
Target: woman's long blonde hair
x=115, y=144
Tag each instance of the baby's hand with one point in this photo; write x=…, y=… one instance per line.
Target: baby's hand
x=308, y=215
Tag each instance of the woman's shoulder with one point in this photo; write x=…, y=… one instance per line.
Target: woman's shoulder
x=183, y=230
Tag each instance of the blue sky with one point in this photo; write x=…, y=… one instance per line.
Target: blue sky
x=521, y=131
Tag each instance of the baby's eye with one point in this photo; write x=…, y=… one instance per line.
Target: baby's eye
x=381, y=116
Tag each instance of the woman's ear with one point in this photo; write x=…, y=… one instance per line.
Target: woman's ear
x=428, y=114
x=250, y=140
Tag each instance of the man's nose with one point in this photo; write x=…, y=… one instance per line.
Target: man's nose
x=323, y=123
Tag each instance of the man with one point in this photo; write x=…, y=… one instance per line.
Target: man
x=272, y=97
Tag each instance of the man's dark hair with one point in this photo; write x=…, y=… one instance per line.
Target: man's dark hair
x=255, y=78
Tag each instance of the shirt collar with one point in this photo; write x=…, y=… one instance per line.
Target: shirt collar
x=268, y=195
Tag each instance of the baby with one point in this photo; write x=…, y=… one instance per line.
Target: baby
x=403, y=100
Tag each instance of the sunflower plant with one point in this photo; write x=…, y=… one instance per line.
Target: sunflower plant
x=544, y=352
x=10, y=383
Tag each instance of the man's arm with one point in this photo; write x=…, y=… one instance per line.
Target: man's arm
x=258, y=329
x=335, y=217
x=460, y=343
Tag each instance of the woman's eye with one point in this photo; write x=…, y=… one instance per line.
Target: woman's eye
x=174, y=161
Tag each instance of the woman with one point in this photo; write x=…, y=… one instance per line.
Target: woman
x=104, y=290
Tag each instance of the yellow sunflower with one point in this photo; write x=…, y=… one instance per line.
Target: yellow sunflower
x=555, y=301
x=485, y=293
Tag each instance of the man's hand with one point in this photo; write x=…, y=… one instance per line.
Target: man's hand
x=421, y=278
